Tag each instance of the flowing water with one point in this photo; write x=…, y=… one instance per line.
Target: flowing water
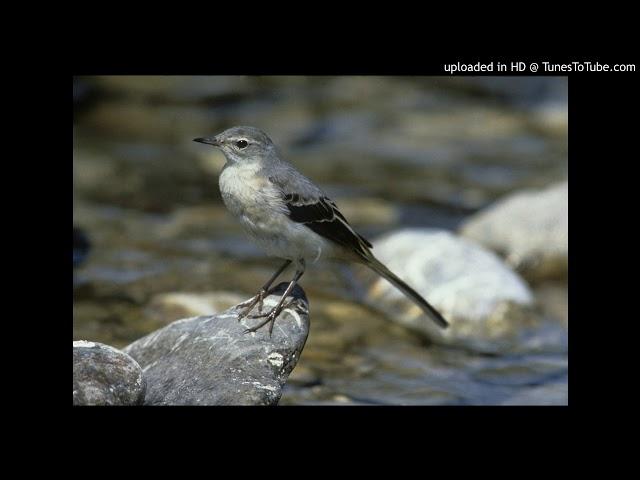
x=391, y=151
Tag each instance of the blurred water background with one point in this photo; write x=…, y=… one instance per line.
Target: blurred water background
x=393, y=152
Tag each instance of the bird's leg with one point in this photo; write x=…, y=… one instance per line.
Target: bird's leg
x=259, y=297
x=273, y=314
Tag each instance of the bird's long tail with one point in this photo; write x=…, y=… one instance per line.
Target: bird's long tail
x=410, y=293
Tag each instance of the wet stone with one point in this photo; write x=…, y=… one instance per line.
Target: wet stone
x=529, y=228
x=209, y=360
x=490, y=307
x=103, y=375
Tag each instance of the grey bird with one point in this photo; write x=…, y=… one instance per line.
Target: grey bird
x=289, y=217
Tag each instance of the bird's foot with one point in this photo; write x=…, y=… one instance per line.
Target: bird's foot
x=269, y=317
x=257, y=299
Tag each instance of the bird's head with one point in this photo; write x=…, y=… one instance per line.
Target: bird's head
x=241, y=144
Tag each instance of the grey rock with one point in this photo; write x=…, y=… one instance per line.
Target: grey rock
x=489, y=307
x=103, y=375
x=209, y=360
x=530, y=229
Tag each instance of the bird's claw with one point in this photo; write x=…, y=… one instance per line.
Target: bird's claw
x=257, y=299
x=270, y=318
x=261, y=315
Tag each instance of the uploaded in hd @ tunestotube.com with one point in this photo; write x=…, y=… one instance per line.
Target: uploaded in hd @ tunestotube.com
x=537, y=67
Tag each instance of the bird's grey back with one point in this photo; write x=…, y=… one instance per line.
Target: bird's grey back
x=288, y=179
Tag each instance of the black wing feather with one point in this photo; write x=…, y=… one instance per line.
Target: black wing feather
x=323, y=217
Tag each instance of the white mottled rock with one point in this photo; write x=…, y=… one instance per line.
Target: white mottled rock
x=530, y=229
x=489, y=306
x=209, y=360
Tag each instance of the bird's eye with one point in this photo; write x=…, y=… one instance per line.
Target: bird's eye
x=241, y=143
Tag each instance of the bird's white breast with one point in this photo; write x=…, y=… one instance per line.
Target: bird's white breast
x=259, y=207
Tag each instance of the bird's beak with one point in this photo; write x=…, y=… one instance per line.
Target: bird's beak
x=209, y=141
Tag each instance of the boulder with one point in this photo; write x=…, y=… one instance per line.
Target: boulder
x=490, y=308
x=209, y=360
x=103, y=375
x=530, y=229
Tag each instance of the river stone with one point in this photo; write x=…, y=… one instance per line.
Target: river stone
x=209, y=360
x=103, y=375
x=488, y=306
x=529, y=228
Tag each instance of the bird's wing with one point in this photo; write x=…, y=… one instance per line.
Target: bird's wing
x=308, y=205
